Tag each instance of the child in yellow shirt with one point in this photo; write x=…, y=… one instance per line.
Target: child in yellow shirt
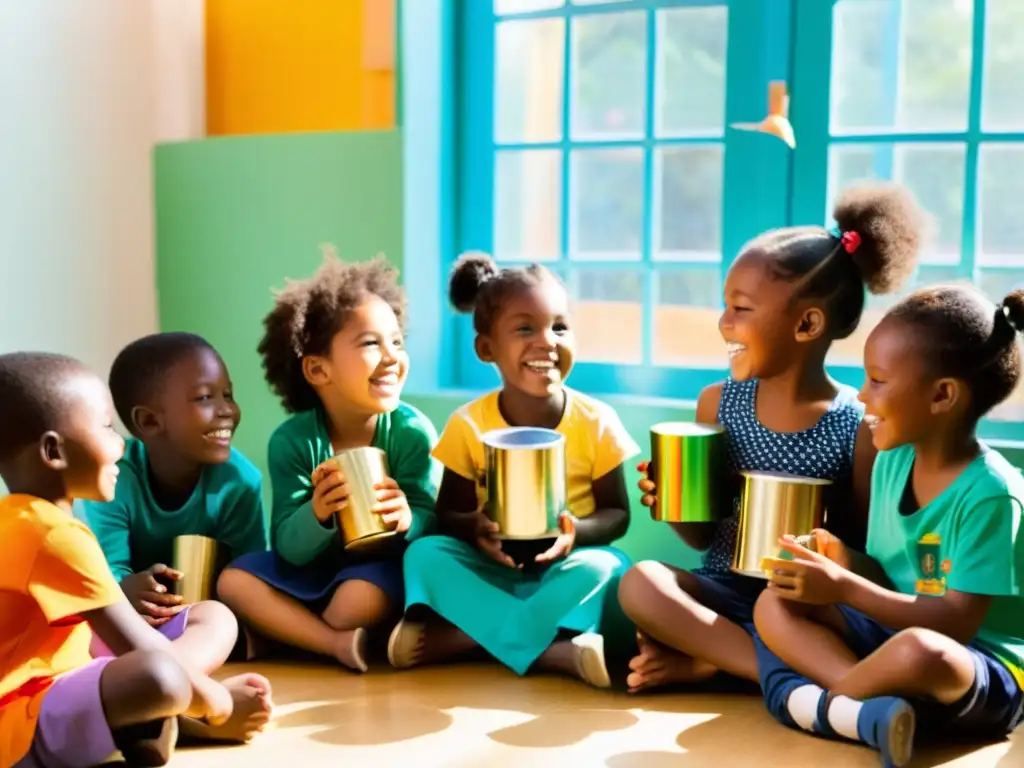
x=528, y=607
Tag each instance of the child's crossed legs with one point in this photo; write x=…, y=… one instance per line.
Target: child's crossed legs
x=691, y=625
x=204, y=635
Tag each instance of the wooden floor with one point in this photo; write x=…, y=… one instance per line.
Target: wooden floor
x=472, y=716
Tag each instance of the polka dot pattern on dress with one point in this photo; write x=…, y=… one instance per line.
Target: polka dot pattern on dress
x=824, y=451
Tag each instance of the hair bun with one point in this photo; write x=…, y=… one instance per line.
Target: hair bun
x=890, y=226
x=471, y=271
x=1012, y=309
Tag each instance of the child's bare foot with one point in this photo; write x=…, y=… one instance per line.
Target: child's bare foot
x=350, y=649
x=657, y=665
x=250, y=694
x=412, y=643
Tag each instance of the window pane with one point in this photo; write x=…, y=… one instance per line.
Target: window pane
x=523, y=6
x=527, y=205
x=996, y=283
x=933, y=172
x=606, y=195
x=690, y=92
x=688, y=203
x=689, y=299
x=528, y=62
x=607, y=315
x=850, y=351
x=902, y=65
x=608, y=63
x=1003, y=96
x=1000, y=192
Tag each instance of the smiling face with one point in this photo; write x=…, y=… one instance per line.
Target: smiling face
x=194, y=410
x=367, y=364
x=89, y=447
x=531, y=341
x=902, y=399
x=761, y=324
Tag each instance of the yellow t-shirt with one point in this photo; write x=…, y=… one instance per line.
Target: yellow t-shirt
x=52, y=570
x=595, y=444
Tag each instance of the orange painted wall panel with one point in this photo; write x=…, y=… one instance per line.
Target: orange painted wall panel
x=277, y=66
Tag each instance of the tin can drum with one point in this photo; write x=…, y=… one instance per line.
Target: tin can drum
x=360, y=527
x=525, y=478
x=771, y=506
x=688, y=469
x=197, y=557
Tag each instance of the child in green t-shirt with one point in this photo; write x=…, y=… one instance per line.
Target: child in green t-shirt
x=333, y=351
x=942, y=642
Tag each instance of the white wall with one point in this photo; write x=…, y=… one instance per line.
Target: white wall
x=86, y=88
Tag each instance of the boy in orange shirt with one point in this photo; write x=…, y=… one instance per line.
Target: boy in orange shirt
x=59, y=707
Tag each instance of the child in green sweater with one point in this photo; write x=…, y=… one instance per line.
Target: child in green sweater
x=333, y=351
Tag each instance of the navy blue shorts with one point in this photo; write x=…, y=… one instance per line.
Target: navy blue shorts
x=314, y=584
x=992, y=708
x=730, y=595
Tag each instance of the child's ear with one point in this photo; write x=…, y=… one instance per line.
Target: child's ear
x=811, y=325
x=145, y=421
x=51, y=450
x=946, y=395
x=315, y=370
x=482, y=344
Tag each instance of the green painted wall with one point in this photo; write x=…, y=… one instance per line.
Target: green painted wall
x=235, y=217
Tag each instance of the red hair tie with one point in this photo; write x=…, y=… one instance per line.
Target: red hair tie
x=850, y=241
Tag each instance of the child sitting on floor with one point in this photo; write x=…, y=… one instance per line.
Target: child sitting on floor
x=333, y=350
x=469, y=582
x=179, y=476
x=945, y=645
x=789, y=295
x=58, y=706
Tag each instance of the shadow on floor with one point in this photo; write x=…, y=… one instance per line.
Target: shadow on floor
x=366, y=722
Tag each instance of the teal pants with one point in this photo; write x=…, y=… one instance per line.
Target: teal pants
x=511, y=615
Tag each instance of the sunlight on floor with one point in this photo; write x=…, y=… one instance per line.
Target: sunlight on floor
x=471, y=716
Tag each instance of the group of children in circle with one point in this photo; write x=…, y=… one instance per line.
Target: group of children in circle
x=906, y=610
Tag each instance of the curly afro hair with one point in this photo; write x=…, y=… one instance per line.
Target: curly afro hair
x=36, y=396
x=480, y=286
x=308, y=313
x=890, y=226
x=139, y=369
x=963, y=335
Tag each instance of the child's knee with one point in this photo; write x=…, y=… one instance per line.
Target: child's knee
x=636, y=584
x=770, y=611
x=426, y=554
x=600, y=564
x=232, y=583
x=922, y=653
x=214, y=614
x=160, y=679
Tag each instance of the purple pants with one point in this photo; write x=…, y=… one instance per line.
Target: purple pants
x=72, y=730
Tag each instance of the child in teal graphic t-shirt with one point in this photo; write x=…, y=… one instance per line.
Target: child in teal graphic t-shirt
x=927, y=631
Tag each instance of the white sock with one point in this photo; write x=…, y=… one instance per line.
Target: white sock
x=842, y=716
x=803, y=705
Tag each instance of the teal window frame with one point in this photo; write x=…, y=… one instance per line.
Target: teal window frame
x=764, y=184
x=811, y=123
x=758, y=51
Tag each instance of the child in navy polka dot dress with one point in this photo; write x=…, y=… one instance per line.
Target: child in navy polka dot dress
x=788, y=295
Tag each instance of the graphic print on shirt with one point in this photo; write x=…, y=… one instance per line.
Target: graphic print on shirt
x=931, y=568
